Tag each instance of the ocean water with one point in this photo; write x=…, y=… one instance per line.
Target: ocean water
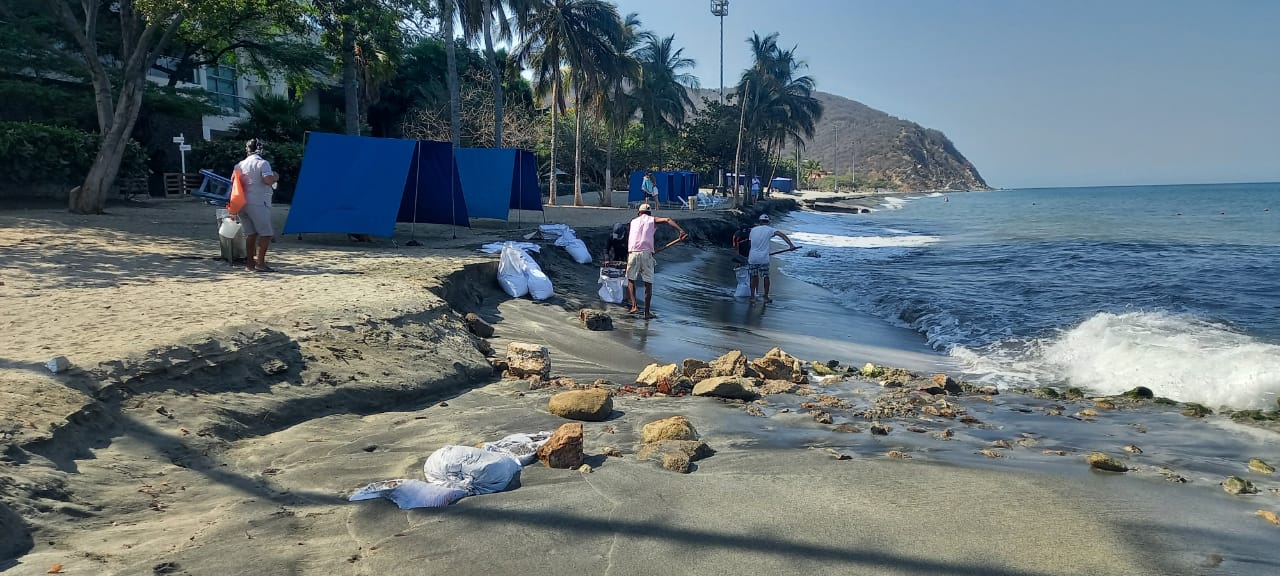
x=1176, y=288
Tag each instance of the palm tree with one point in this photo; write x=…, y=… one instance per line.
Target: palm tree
x=580, y=34
x=479, y=18
x=613, y=104
x=779, y=104
x=662, y=94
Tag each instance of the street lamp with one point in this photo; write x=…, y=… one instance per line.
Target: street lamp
x=721, y=8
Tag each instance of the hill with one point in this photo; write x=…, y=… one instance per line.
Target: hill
x=880, y=147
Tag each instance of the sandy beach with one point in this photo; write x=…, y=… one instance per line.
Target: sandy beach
x=214, y=421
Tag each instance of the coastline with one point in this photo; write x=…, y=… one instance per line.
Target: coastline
x=113, y=484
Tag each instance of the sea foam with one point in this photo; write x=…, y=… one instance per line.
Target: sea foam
x=838, y=241
x=1177, y=356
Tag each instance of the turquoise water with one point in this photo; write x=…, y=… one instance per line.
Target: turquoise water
x=1171, y=287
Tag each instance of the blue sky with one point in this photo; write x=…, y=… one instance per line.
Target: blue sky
x=1034, y=92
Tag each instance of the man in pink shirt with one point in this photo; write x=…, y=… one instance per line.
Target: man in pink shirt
x=640, y=256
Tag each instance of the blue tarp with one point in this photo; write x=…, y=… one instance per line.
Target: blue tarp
x=496, y=180
x=635, y=191
x=486, y=175
x=525, y=194
x=781, y=184
x=671, y=185
x=349, y=184
x=432, y=193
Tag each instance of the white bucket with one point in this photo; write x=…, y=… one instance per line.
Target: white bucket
x=229, y=228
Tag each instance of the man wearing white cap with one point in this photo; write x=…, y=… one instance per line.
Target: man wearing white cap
x=759, y=257
x=640, y=256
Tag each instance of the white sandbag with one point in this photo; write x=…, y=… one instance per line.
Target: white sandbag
x=410, y=493
x=613, y=285
x=553, y=231
x=522, y=448
x=578, y=250
x=744, y=282
x=473, y=470
x=539, y=285
x=496, y=247
x=511, y=271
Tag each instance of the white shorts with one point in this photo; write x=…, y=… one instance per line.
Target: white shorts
x=640, y=266
x=255, y=220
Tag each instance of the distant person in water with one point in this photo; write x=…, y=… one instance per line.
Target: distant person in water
x=759, y=258
x=640, y=256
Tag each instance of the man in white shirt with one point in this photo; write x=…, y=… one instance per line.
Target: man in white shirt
x=759, y=257
x=255, y=217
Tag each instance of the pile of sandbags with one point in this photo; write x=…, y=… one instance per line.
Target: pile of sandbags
x=519, y=274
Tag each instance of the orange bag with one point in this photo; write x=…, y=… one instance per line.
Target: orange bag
x=237, y=201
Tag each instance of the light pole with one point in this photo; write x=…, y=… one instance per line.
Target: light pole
x=721, y=8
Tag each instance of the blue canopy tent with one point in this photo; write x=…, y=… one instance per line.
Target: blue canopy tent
x=433, y=193
x=362, y=185
x=671, y=185
x=781, y=184
x=497, y=180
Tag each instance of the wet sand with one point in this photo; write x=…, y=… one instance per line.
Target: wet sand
x=198, y=459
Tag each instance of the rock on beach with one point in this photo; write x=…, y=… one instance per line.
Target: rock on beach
x=1101, y=461
x=726, y=387
x=564, y=448
x=592, y=405
x=673, y=428
x=524, y=360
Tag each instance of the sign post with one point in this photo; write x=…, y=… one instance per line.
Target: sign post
x=183, y=148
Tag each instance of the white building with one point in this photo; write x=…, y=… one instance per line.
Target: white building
x=231, y=90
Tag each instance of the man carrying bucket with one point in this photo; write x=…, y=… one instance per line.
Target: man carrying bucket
x=255, y=216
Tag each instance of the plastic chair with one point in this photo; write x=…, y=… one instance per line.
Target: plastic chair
x=215, y=189
x=684, y=203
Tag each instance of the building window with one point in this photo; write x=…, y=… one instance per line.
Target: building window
x=221, y=81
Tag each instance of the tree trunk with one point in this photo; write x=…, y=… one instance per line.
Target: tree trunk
x=494, y=71
x=555, y=118
x=606, y=197
x=91, y=197
x=451, y=65
x=350, y=94
x=577, y=145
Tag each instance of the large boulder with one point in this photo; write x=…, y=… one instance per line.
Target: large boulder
x=732, y=363
x=774, y=368
x=564, y=448
x=592, y=405
x=476, y=325
x=726, y=387
x=654, y=373
x=780, y=366
x=525, y=360
x=673, y=428
x=595, y=320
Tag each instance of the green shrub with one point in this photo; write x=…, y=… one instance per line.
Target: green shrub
x=36, y=155
x=221, y=156
x=47, y=103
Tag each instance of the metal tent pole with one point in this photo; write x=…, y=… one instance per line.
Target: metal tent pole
x=417, y=182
